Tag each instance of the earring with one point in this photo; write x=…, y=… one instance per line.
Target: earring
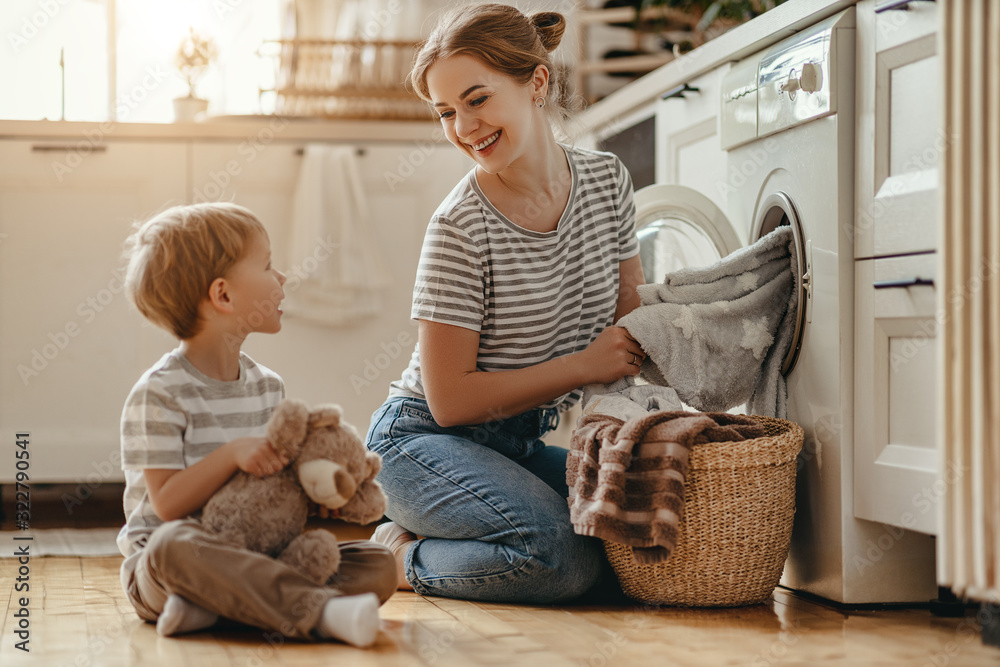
x=539, y=102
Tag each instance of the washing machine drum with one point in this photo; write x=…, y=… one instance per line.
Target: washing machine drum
x=679, y=227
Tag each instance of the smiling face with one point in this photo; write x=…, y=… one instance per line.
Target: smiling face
x=255, y=288
x=489, y=116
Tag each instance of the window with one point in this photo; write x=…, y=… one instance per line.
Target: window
x=147, y=34
x=36, y=33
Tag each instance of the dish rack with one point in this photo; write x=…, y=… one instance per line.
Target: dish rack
x=346, y=79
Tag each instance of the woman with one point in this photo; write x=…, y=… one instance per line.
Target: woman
x=524, y=269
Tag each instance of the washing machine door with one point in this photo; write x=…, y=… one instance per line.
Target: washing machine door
x=679, y=227
x=776, y=210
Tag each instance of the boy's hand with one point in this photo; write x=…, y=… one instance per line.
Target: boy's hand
x=321, y=511
x=255, y=456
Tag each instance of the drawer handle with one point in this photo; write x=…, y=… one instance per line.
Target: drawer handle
x=896, y=4
x=912, y=282
x=66, y=148
x=360, y=152
x=678, y=92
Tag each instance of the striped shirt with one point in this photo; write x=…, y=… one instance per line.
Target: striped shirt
x=531, y=296
x=175, y=416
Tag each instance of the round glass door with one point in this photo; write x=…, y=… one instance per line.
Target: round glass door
x=777, y=210
x=678, y=228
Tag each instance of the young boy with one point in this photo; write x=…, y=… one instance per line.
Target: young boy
x=204, y=273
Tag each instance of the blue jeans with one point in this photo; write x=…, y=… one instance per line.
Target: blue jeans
x=490, y=502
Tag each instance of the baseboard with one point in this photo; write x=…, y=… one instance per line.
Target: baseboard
x=989, y=616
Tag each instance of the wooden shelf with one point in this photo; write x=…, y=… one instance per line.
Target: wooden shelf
x=627, y=14
x=654, y=20
x=644, y=64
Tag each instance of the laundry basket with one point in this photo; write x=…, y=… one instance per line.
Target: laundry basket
x=737, y=525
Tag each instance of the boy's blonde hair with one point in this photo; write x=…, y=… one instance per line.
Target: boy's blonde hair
x=174, y=257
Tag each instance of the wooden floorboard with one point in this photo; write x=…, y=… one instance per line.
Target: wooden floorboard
x=79, y=616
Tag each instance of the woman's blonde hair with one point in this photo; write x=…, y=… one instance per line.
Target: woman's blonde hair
x=500, y=37
x=174, y=257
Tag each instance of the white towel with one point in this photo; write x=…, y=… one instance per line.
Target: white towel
x=627, y=400
x=335, y=270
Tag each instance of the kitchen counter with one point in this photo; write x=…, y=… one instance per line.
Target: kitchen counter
x=228, y=127
x=744, y=40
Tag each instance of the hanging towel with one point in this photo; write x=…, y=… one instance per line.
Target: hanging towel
x=626, y=479
x=718, y=335
x=335, y=270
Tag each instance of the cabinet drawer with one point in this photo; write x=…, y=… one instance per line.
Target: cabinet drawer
x=688, y=149
x=898, y=26
x=900, y=133
x=903, y=286
x=895, y=446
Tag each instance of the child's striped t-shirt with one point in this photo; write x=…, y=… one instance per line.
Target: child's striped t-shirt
x=175, y=416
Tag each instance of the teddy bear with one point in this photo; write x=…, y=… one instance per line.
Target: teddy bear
x=329, y=465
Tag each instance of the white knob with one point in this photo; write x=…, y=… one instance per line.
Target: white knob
x=809, y=81
x=811, y=78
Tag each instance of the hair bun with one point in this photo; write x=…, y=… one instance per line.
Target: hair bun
x=550, y=27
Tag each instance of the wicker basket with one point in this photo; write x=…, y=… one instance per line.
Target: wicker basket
x=736, y=529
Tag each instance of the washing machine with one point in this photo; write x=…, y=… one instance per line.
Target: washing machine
x=786, y=124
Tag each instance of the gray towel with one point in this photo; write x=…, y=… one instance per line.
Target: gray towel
x=719, y=334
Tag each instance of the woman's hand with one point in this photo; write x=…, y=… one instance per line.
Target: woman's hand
x=613, y=355
x=256, y=456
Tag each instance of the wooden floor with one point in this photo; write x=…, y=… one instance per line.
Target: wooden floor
x=79, y=616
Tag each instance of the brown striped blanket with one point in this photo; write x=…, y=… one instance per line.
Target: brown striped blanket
x=626, y=479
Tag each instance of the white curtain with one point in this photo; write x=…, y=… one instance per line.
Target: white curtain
x=969, y=543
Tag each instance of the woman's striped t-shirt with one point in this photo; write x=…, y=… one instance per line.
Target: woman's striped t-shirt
x=532, y=296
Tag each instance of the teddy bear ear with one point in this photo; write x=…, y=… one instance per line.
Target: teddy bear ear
x=288, y=426
x=323, y=416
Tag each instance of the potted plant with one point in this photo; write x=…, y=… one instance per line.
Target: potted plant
x=194, y=56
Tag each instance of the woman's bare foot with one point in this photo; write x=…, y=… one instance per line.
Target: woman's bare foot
x=398, y=540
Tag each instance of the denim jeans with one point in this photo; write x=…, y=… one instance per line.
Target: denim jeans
x=489, y=501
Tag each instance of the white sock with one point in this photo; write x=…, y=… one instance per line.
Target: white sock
x=392, y=535
x=180, y=616
x=398, y=540
x=351, y=618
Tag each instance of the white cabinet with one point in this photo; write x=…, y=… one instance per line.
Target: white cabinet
x=257, y=172
x=688, y=150
x=900, y=136
x=896, y=457
x=71, y=346
x=899, y=143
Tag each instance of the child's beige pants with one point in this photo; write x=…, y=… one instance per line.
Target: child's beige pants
x=183, y=558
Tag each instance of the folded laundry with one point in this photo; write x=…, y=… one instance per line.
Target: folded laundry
x=626, y=478
x=625, y=399
x=718, y=335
